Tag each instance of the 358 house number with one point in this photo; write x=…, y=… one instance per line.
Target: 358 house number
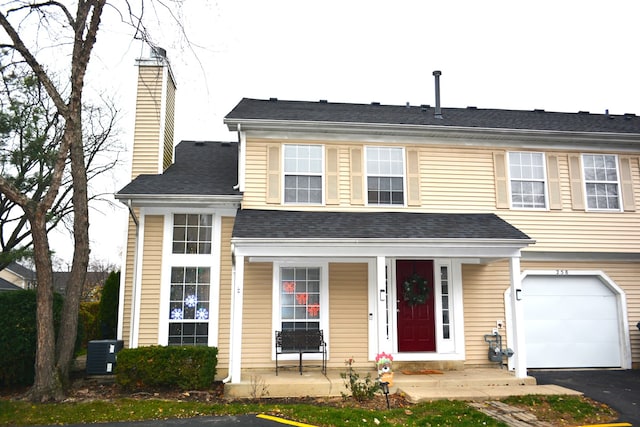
x=562, y=272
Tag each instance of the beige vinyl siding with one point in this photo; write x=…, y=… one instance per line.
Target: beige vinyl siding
x=256, y=325
x=348, y=333
x=151, y=280
x=13, y=278
x=348, y=323
x=128, y=280
x=461, y=179
x=147, y=132
x=483, y=289
x=466, y=174
x=224, y=318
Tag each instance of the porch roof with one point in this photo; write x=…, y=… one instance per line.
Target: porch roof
x=317, y=233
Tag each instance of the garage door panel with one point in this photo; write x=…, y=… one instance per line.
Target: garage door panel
x=570, y=321
x=563, y=355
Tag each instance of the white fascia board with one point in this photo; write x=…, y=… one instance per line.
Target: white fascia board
x=172, y=200
x=454, y=248
x=381, y=131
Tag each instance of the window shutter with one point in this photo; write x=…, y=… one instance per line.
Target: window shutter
x=626, y=182
x=413, y=177
x=332, y=176
x=553, y=175
x=273, y=174
x=575, y=178
x=500, y=176
x=357, y=175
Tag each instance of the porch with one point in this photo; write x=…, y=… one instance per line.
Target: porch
x=466, y=384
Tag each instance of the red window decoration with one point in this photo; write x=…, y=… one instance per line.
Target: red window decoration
x=313, y=310
x=302, y=298
x=289, y=287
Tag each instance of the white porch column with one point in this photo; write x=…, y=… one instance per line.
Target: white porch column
x=235, y=356
x=384, y=336
x=517, y=319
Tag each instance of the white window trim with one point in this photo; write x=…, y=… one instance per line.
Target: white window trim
x=366, y=177
x=169, y=260
x=321, y=175
x=585, y=182
x=276, y=321
x=545, y=182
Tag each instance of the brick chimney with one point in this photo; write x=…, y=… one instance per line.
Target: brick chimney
x=154, y=121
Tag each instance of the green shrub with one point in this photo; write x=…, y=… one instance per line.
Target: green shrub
x=108, y=314
x=88, y=323
x=362, y=389
x=186, y=368
x=18, y=335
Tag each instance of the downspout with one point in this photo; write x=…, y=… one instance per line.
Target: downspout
x=231, y=322
x=233, y=265
x=134, y=272
x=240, y=158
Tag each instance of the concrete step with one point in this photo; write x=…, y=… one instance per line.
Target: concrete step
x=469, y=384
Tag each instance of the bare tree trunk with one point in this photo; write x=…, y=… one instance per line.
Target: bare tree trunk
x=67, y=335
x=47, y=384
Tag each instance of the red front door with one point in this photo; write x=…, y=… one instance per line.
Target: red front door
x=416, y=319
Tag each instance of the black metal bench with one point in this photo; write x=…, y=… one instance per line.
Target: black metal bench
x=300, y=342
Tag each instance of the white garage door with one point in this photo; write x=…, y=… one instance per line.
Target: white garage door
x=570, y=322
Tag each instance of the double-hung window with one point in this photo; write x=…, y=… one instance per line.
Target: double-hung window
x=300, y=302
x=527, y=176
x=189, y=295
x=303, y=174
x=601, y=181
x=385, y=176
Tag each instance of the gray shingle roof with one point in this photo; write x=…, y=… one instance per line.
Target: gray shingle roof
x=200, y=168
x=278, y=224
x=255, y=109
x=22, y=271
x=5, y=285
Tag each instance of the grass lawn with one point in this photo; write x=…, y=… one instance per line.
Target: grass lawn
x=557, y=410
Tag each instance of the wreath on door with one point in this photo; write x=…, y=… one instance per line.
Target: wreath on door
x=415, y=290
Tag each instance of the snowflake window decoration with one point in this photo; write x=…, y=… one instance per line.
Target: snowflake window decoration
x=202, y=314
x=190, y=301
x=176, y=314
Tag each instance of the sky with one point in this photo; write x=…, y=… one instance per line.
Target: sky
x=556, y=55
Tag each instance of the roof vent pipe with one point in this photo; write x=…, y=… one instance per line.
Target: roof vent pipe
x=438, y=113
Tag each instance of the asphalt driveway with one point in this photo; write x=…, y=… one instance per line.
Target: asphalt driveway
x=620, y=389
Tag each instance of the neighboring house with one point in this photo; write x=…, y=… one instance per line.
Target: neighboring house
x=17, y=275
x=92, y=288
x=414, y=230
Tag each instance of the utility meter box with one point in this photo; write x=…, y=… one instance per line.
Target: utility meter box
x=101, y=356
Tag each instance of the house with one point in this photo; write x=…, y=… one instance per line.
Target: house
x=414, y=230
x=92, y=288
x=16, y=276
